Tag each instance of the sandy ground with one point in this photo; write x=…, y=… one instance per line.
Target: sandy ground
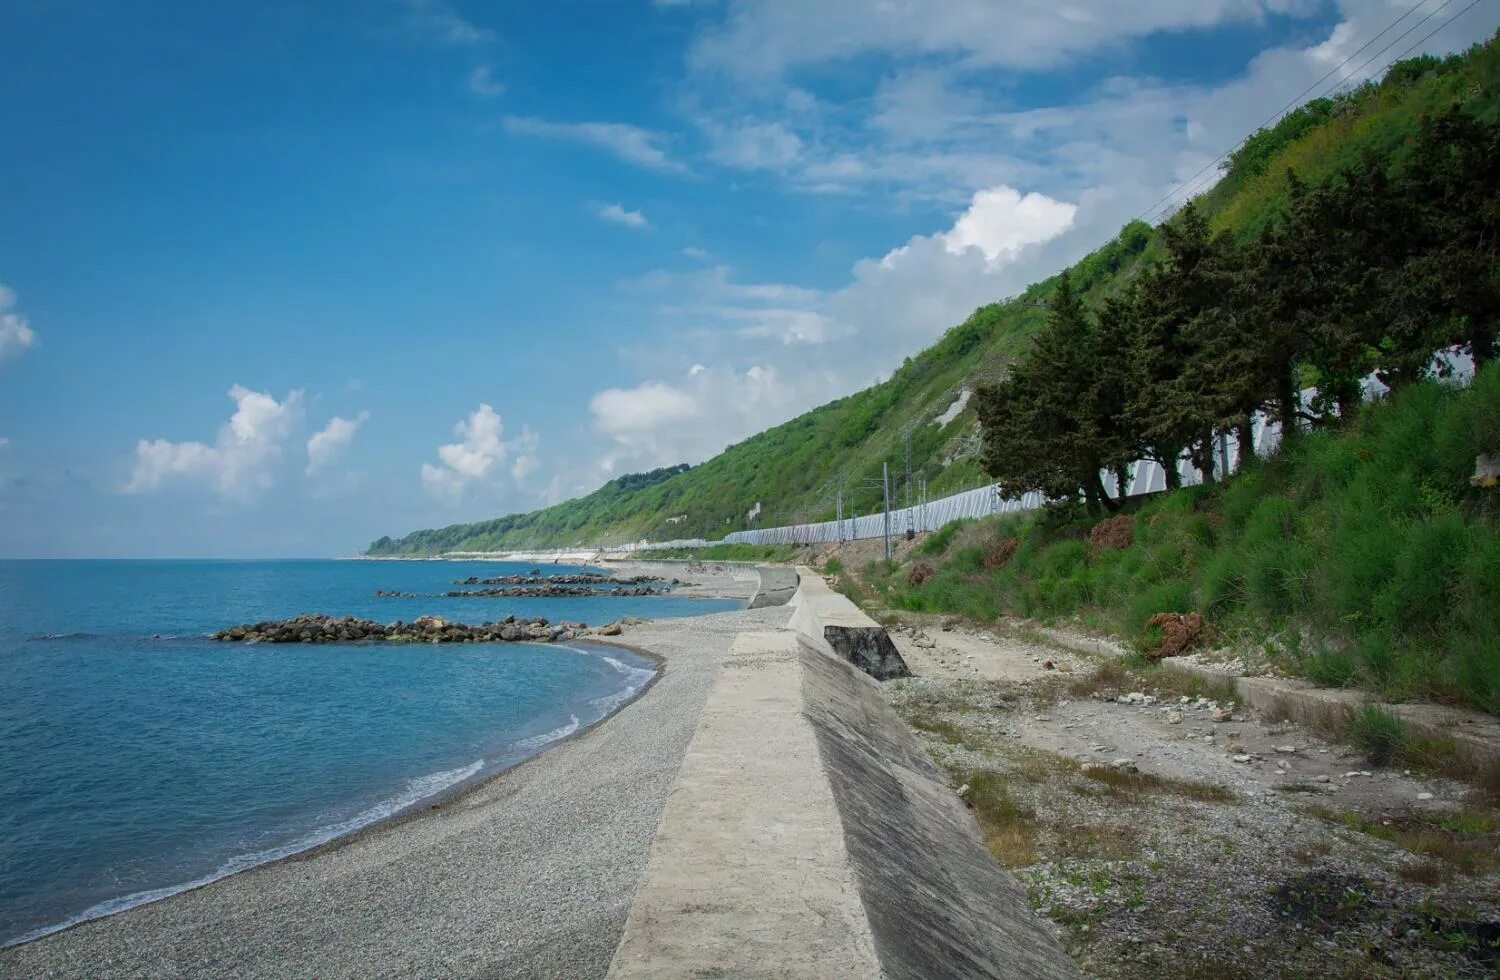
x=530, y=874
x=1172, y=833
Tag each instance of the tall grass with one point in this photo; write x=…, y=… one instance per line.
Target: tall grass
x=1365, y=550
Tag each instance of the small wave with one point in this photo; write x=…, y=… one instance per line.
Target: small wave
x=64, y=636
x=635, y=679
x=547, y=738
x=415, y=790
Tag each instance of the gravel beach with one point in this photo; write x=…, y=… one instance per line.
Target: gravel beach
x=529, y=874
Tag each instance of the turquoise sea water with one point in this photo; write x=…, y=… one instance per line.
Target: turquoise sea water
x=138, y=757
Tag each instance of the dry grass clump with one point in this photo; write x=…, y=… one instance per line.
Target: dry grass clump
x=999, y=553
x=936, y=725
x=1462, y=841
x=1009, y=827
x=1174, y=634
x=1131, y=785
x=1113, y=534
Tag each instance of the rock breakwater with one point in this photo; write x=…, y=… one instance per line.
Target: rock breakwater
x=551, y=592
x=582, y=578
x=320, y=628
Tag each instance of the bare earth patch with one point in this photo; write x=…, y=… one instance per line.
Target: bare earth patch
x=1168, y=833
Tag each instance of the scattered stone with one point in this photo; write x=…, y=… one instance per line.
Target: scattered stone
x=1223, y=715
x=1242, y=758
x=1174, y=717
x=1286, y=749
x=1424, y=796
x=1321, y=778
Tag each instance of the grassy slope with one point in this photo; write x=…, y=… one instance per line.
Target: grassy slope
x=1360, y=555
x=790, y=469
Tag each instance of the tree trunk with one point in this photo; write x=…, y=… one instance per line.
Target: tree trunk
x=1287, y=398
x=1092, y=491
x=1169, y=468
x=1110, y=504
x=1246, y=434
x=1202, y=456
x=1482, y=335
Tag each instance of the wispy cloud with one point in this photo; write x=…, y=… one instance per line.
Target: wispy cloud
x=482, y=82
x=632, y=144
x=441, y=22
x=617, y=214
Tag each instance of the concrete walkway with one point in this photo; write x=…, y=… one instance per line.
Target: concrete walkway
x=749, y=873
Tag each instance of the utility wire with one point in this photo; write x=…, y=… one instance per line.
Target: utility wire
x=1194, y=179
x=1277, y=114
x=1407, y=50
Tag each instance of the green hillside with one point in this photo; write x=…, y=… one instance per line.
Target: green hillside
x=790, y=470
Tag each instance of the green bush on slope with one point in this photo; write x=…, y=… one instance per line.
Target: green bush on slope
x=1364, y=550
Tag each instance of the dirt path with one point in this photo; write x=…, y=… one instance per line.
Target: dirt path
x=1169, y=833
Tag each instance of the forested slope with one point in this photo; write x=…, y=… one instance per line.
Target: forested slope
x=790, y=470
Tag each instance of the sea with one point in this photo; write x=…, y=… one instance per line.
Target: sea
x=139, y=758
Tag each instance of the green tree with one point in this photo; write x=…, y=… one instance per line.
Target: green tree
x=1052, y=425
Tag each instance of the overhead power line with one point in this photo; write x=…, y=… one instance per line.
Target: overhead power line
x=1193, y=183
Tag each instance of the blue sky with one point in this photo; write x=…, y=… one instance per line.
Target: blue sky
x=279, y=278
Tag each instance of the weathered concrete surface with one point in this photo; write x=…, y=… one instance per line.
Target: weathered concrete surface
x=778, y=584
x=748, y=874
x=937, y=903
x=809, y=835
x=840, y=628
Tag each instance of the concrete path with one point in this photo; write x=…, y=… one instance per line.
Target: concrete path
x=749, y=875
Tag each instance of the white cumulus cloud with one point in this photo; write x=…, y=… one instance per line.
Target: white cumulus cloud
x=689, y=419
x=1001, y=222
x=617, y=214
x=240, y=462
x=480, y=452
x=16, y=334
x=325, y=445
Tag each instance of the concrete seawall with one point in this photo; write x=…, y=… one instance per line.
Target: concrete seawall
x=808, y=834
x=835, y=625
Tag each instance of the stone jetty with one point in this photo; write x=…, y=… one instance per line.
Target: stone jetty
x=582, y=578
x=319, y=628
